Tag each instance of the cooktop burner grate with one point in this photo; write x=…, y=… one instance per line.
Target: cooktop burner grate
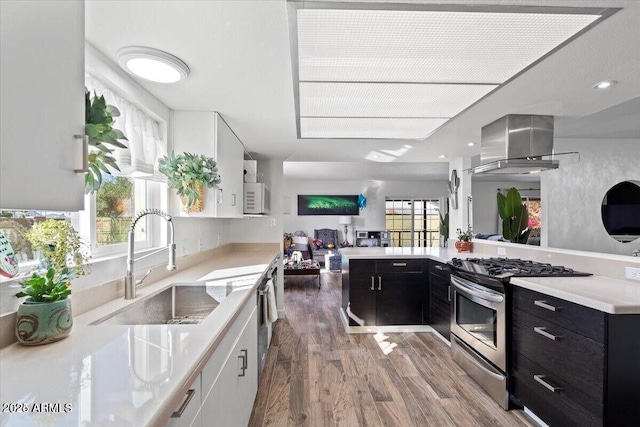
x=513, y=267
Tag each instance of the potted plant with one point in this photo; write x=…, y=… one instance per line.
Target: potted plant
x=514, y=216
x=464, y=243
x=444, y=228
x=99, y=118
x=45, y=316
x=189, y=174
x=58, y=245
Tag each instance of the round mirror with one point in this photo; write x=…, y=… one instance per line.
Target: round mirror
x=621, y=211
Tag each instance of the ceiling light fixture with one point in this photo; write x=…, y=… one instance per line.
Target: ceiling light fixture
x=605, y=84
x=152, y=64
x=442, y=156
x=471, y=144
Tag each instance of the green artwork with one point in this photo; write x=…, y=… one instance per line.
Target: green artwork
x=328, y=205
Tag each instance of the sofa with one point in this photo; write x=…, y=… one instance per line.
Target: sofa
x=322, y=238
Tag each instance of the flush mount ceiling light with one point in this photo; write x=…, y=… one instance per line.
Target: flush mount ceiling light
x=152, y=64
x=605, y=84
x=471, y=144
x=373, y=71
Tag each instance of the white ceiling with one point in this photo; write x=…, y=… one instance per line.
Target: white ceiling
x=239, y=56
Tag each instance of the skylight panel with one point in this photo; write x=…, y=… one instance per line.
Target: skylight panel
x=368, y=128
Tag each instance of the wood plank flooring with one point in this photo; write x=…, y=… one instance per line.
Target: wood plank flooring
x=318, y=375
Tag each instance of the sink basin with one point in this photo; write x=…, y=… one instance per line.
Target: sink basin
x=178, y=304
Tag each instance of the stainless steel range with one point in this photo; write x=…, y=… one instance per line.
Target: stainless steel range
x=481, y=314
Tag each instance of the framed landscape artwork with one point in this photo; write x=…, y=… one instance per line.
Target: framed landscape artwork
x=328, y=205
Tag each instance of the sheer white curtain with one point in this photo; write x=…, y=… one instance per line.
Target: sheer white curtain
x=146, y=144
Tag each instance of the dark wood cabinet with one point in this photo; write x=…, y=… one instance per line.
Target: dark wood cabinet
x=439, y=299
x=385, y=292
x=573, y=365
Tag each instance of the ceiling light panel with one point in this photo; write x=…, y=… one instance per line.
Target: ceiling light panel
x=426, y=46
x=368, y=128
x=387, y=99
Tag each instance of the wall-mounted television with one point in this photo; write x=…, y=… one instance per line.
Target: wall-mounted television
x=328, y=205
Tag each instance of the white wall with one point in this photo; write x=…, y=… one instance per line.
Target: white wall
x=572, y=195
x=370, y=218
x=459, y=218
x=485, y=205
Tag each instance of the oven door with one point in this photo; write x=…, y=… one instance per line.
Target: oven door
x=478, y=319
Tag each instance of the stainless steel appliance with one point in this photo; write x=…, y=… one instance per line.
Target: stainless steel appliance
x=373, y=238
x=265, y=328
x=480, y=316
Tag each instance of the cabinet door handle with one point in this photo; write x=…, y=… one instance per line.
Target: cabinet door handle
x=373, y=285
x=449, y=293
x=441, y=268
x=540, y=379
x=85, y=153
x=542, y=331
x=543, y=304
x=243, y=357
x=379, y=283
x=233, y=199
x=185, y=403
x=219, y=196
x=399, y=264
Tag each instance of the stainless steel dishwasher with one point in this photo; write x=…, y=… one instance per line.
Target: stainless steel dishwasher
x=264, y=327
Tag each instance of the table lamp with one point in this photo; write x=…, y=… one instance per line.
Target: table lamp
x=346, y=221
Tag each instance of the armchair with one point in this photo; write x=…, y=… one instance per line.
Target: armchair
x=328, y=236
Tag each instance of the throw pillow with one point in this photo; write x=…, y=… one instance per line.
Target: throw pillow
x=318, y=244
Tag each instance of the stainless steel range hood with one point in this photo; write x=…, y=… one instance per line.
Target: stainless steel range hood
x=517, y=144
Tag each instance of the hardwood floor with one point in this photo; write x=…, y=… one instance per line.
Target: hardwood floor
x=318, y=375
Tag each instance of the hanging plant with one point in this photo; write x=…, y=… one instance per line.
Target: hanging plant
x=188, y=173
x=103, y=137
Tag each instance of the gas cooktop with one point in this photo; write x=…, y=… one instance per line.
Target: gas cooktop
x=512, y=267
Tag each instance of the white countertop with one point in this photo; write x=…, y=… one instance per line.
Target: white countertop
x=123, y=375
x=601, y=293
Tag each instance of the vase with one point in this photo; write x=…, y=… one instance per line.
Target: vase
x=198, y=206
x=43, y=322
x=464, y=246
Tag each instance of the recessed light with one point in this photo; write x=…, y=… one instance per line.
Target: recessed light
x=605, y=84
x=442, y=156
x=471, y=144
x=152, y=64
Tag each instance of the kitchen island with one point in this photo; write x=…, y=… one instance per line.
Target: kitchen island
x=135, y=375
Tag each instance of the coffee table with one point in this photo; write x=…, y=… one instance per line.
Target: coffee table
x=306, y=269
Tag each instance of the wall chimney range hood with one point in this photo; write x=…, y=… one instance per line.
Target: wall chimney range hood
x=517, y=144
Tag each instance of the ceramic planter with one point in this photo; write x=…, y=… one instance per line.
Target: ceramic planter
x=43, y=322
x=464, y=246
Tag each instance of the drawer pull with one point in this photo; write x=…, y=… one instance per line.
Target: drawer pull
x=379, y=283
x=399, y=264
x=540, y=379
x=543, y=304
x=184, y=405
x=441, y=268
x=373, y=285
x=243, y=357
x=542, y=330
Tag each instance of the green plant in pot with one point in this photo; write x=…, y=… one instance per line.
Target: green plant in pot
x=103, y=137
x=189, y=174
x=514, y=216
x=464, y=243
x=45, y=316
x=444, y=228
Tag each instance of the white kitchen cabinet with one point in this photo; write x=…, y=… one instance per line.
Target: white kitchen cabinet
x=230, y=400
x=41, y=104
x=190, y=406
x=204, y=132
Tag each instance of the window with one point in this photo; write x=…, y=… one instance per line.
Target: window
x=413, y=222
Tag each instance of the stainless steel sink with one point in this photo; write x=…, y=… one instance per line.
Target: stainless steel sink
x=179, y=304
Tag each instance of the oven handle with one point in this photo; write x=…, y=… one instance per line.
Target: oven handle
x=460, y=284
x=472, y=359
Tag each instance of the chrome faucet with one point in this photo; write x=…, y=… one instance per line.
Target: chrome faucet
x=130, y=283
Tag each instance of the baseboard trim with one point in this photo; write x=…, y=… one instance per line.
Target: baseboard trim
x=387, y=329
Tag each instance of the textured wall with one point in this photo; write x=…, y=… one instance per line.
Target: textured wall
x=572, y=195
